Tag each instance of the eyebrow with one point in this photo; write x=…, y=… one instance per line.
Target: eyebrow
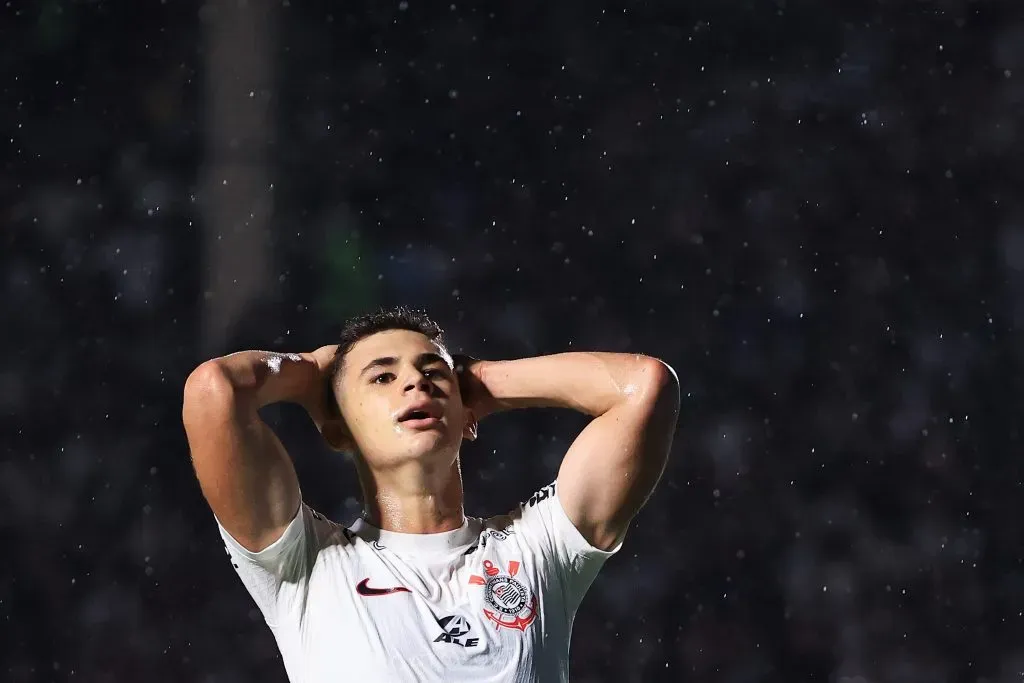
x=427, y=358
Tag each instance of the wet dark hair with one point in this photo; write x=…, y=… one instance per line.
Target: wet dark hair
x=362, y=326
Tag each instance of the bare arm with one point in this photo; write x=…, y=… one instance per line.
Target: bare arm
x=243, y=469
x=614, y=464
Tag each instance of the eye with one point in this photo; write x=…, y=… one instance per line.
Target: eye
x=435, y=373
x=382, y=378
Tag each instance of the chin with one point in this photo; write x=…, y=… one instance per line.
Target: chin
x=433, y=446
x=430, y=447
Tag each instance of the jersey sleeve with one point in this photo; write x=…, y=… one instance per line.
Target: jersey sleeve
x=277, y=576
x=543, y=525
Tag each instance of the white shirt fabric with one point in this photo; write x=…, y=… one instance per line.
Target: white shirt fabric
x=491, y=601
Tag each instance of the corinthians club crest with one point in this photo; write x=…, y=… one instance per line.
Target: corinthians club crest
x=514, y=605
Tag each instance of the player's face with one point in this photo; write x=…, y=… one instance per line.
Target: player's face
x=400, y=400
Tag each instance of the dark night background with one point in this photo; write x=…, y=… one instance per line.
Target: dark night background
x=812, y=210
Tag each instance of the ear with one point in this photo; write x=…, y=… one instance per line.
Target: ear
x=471, y=428
x=337, y=435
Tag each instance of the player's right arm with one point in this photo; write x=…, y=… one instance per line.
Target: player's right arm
x=245, y=474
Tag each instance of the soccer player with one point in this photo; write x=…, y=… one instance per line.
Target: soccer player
x=414, y=590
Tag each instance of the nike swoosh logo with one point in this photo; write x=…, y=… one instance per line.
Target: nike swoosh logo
x=364, y=589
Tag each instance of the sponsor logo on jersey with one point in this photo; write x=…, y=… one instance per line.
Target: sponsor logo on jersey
x=454, y=629
x=512, y=604
x=500, y=534
x=541, y=495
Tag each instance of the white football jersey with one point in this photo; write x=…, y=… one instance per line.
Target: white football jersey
x=491, y=601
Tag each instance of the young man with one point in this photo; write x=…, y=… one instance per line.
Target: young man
x=414, y=590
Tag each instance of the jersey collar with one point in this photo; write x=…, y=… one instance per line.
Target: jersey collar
x=440, y=543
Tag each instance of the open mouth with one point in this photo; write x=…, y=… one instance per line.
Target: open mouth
x=423, y=415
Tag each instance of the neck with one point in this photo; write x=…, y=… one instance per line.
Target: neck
x=414, y=499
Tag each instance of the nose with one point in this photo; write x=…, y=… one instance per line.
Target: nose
x=418, y=381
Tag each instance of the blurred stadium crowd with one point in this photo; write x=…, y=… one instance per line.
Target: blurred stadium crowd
x=813, y=211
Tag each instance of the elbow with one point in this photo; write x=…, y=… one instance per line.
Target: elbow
x=658, y=377
x=206, y=387
x=659, y=388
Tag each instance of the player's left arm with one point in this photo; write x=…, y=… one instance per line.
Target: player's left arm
x=614, y=464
